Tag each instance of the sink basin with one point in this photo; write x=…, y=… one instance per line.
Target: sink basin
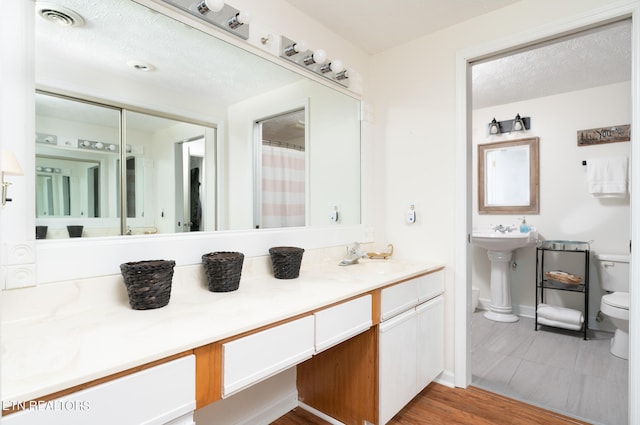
x=508, y=241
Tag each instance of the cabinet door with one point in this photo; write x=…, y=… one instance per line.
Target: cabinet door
x=397, y=364
x=153, y=396
x=341, y=322
x=255, y=357
x=398, y=298
x=430, y=286
x=430, y=323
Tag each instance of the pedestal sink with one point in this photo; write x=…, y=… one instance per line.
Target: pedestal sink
x=500, y=245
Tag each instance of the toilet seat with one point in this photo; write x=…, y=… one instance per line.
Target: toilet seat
x=617, y=300
x=616, y=305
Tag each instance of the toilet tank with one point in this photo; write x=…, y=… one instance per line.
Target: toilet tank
x=613, y=270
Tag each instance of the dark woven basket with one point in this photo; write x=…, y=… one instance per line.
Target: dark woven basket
x=148, y=283
x=223, y=270
x=286, y=261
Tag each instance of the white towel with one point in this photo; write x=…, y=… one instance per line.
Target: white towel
x=556, y=324
x=607, y=177
x=564, y=315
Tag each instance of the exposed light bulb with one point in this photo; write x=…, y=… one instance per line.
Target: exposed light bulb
x=318, y=56
x=337, y=65
x=206, y=6
x=295, y=48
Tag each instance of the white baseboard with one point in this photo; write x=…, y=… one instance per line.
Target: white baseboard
x=446, y=378
x=319, y=414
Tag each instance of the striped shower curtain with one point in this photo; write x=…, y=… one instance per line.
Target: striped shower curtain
x=283, y=187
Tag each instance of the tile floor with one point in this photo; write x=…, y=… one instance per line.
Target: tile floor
x=551, y=368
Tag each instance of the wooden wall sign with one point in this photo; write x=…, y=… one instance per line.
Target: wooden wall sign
x=596, y=136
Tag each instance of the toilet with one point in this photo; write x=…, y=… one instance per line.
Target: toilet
x=614, y=278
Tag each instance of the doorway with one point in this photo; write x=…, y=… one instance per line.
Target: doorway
x=280, y=194
x=190, y=171
x=466, y=191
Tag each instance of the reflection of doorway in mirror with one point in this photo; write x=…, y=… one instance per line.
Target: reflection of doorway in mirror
x=189, y=184
x=282, y=170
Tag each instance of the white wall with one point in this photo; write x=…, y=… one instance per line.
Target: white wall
x=567, y=211
x=413, y=94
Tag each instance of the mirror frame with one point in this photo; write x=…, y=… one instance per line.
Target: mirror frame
x=534, y=176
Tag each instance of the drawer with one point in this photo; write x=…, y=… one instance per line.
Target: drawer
x=398, y=298
x=430, y=286
x=248, y=360
x=153, y=396
x=341, y=322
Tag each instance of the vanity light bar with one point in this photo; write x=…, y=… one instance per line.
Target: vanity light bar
x=228, y=18
x=315, y=62
x=97, y=146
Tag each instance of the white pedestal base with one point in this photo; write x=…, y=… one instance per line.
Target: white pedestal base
x=500, y=308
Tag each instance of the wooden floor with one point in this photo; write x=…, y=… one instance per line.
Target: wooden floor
x=438, y=404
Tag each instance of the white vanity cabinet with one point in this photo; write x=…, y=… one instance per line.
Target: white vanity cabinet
x=340, y=322
x=411, y=340
x=160, y=395
x=250, y=359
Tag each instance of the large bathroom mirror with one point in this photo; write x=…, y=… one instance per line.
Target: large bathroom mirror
x=150, y=64
x=508, y=177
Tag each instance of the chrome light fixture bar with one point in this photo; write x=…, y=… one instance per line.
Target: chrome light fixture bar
x=508, y=126
x=218, y=13
x=315, y=61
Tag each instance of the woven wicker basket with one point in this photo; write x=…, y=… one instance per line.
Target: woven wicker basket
x=563, y=277
x=223, y=270
x=286, y=261
x=148, y=283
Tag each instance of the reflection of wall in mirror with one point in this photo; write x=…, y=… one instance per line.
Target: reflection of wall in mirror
x=507, y=176
x=334, y=172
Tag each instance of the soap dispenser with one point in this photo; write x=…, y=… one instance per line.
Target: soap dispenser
x=524, y=227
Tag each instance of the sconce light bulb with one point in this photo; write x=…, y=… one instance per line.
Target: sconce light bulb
x=319, y=56
x=244, y=17
x=518, y=125
x=300, y=46
x=337, y=65
x=206, y=6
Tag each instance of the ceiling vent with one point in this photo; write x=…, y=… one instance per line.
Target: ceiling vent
x=58, y=14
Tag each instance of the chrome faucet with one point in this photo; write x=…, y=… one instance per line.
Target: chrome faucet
x=504, y=229
x=353, y=255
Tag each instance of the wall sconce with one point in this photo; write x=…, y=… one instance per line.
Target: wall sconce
x=315, y=61
x=10, y=167
x=218, y=13
x=517, y=124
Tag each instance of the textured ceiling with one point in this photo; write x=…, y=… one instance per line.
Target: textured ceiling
x=117, y=31
x=593, y=58
x=377, y=25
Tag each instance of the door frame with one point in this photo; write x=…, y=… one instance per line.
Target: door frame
x=464, y=189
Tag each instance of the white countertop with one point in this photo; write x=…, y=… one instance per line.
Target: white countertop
x=61, y=335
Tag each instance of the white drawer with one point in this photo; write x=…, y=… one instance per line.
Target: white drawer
x=152, y=396
x=257, y=356
x=430, y=286
x=398, y=298
x=341, y=322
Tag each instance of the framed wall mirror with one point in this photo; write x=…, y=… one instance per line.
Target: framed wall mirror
x=508, y=177
x=151, y=64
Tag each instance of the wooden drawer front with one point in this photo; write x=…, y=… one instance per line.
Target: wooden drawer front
x=152, y=396
x=398, y=298
x=255, y=357
x=341, y=322
x=430, y=286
